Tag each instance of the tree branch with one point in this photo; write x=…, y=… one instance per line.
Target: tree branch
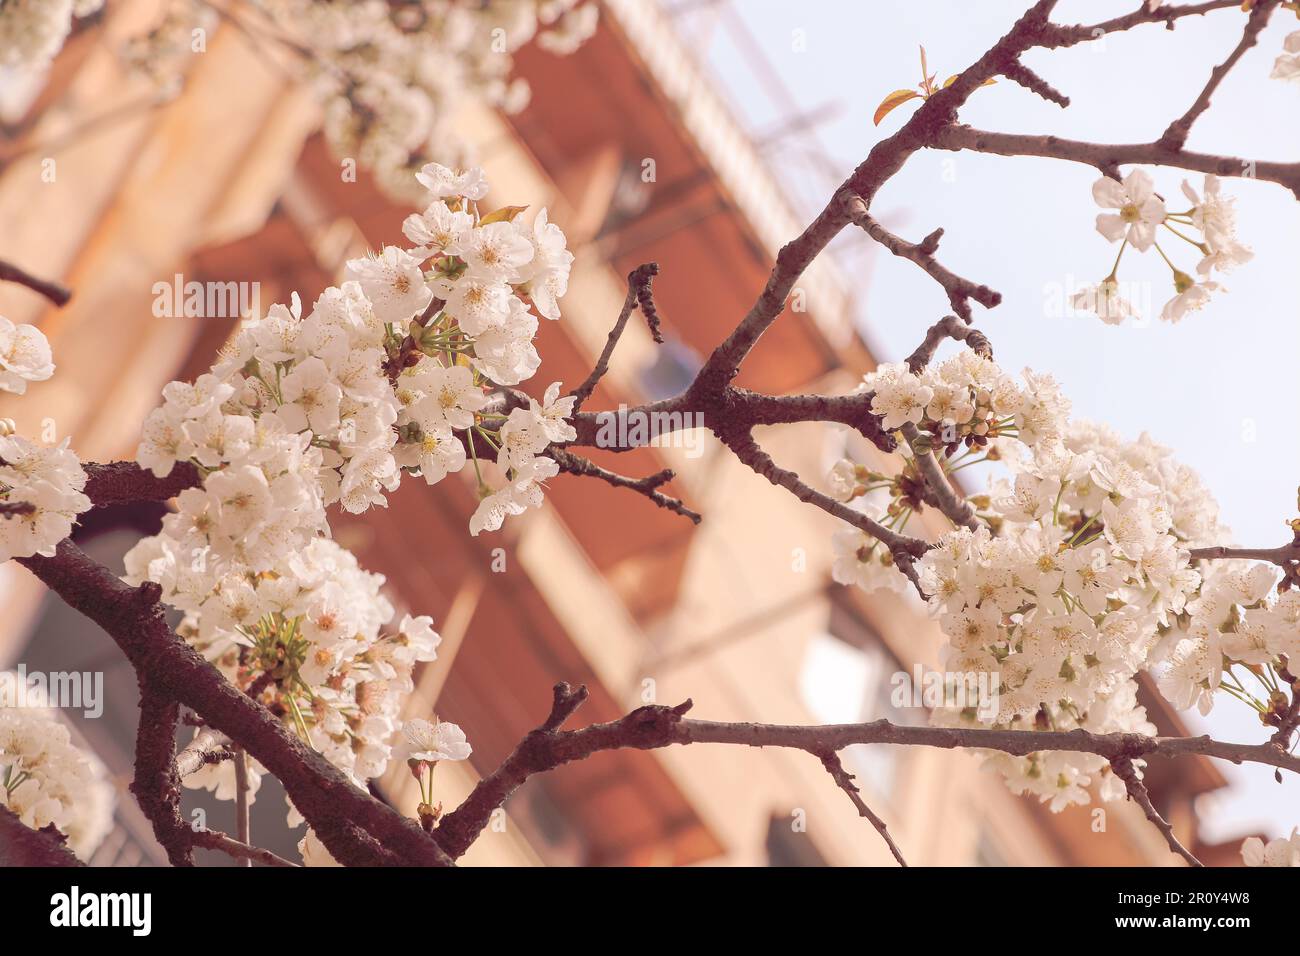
x=216, y=840
x=960, y=291
x=121, y=482
x=904, y=549
x=1176, y=134
x=55, y=293
x=1137, y=792
x=207, y=747
x=356, y=828
x=957, y=509
x=156, y=785
x=577, y=465
x=1108, y=156
x=243, y=823
x=655, y=726
x=844, y=780
x=948, y=328
x=20, y=845
x=1017, y=72
x=1168, y=14
x=638, y=293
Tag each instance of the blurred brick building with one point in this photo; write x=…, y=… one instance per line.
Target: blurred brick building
x=638, y=160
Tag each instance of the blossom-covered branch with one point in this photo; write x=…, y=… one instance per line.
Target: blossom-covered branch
x=655, y=726
x=1065, y=581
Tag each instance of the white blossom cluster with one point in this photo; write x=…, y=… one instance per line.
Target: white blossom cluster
x=963, y=407
x=967, y=399
x=1287, y=65
x=300, y=412
x=1078, y=576
x=1284, y=851
x=1139, y=214
x=309, y=631
x=479, y=269
x=33, y=31
x=45, y=779
x=1060, y=778
x=387, y=373
x=41, y=485
x=394, y=75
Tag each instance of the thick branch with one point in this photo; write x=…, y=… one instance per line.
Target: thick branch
x=120, y=482
x=735, y=407
x=356, y=828
x=156, y=785
x=20, y=845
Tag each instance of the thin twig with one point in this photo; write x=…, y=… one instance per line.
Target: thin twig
x=844, y=780
x=57, y=294
x=245, y=854
x=243, y=822
x=638, y=294
x=649, y=486
x=1109, y=156
x=207, y=747
x=1137, y=792
x=948, y=328
x=1176, y=134
x=960, y=291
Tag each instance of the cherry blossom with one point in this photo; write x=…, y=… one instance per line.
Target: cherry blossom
x=1140, y=210
x=1284, y=851
x=44, y=777
x=24, y=356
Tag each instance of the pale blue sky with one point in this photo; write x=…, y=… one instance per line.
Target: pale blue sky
x=1220, y=388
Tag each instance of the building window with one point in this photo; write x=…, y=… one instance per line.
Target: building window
x=672, y=371
x=987, y=852
x=847, y=678
x=787, y=846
